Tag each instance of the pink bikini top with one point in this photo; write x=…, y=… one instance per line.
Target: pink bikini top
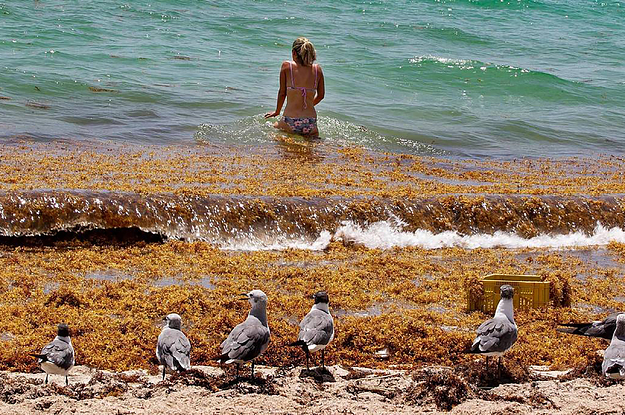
x=301, y=88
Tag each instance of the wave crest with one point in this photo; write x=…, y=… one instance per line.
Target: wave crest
x=247, y=222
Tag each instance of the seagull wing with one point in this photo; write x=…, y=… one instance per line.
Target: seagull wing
x=245, y=342
x=603, y=329
x=316, y=328
x=614, y=358
x=173, y=349
x=181, y=351
x=495, y=335
x=59, y=353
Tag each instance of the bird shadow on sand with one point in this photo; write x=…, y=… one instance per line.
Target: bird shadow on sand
x=318, y=374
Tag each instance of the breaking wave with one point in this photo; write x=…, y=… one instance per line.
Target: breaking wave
x=274, y=223
x=386, y=235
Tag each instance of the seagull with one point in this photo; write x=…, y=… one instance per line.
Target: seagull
x=497, y=335
x=603, y=329
x=57, y=357
x=249, y=339
x=173, y=348
x=614, y=357
x=317, y=328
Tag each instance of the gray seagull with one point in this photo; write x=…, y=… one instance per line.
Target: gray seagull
x=317, y=328
x=57, y=357
x=249, y=339
x=603, y=329
x=614, y=357
x=173, y=348
x=497, y=335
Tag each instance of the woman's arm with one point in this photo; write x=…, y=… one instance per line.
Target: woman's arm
x=281, y=92
x=321, y=87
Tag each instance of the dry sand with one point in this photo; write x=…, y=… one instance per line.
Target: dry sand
x=207, y=390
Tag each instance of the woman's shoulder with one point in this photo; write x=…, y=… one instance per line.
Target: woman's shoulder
x=285, y=64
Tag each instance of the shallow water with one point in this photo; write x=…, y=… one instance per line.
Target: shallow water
x=456, y=77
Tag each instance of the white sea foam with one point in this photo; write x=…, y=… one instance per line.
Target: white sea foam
x=390, y=234
x=279, y=244
x=448, y=61
x=386, y=235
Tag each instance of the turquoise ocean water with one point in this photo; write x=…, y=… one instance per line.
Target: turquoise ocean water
x=476, y=78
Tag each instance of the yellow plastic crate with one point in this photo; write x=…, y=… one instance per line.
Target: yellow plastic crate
x=529, y=292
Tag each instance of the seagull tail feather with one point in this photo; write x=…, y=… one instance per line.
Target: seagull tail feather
x=474, y=349
x=38, y=356
x=222, y=358
x=181, y=362
x=570, y=329
x=300, y=343
x=578, y=325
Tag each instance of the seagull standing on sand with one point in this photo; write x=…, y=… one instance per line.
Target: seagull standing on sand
x=603, y=329
x=614, y=357
x=317, y=328
x=249, y=339
x=173, y=348
x=57, y=357
x=497, y=335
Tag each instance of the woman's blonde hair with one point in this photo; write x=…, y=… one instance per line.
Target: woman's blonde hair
x=304, y=51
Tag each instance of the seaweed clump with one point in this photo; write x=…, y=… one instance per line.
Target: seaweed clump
x=560, y=291
x=410, y=302
x=16, y=390
x=322, y=171
x=441, y=386
x=194, y=377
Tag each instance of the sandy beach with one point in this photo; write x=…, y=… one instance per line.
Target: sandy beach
x=337, y=390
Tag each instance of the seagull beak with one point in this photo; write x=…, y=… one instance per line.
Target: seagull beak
x=244, y=297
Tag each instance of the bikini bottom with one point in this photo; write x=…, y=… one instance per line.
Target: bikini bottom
x=301, y=125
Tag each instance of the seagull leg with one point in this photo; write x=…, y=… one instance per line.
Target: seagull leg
x=487, y=363
x=307, y=357
x=46, y=382
x=163, y=372
x=499, y=367
x=237, y=371
x=323, y=358
x=66, y=381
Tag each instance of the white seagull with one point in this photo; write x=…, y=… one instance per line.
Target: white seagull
x=614, y=357
x=317, y=328
x=173, y=348
x=57, y=357
x=249, y=339
x=497, y=335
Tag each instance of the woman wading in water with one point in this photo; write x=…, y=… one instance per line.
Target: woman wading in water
x=301, y=84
